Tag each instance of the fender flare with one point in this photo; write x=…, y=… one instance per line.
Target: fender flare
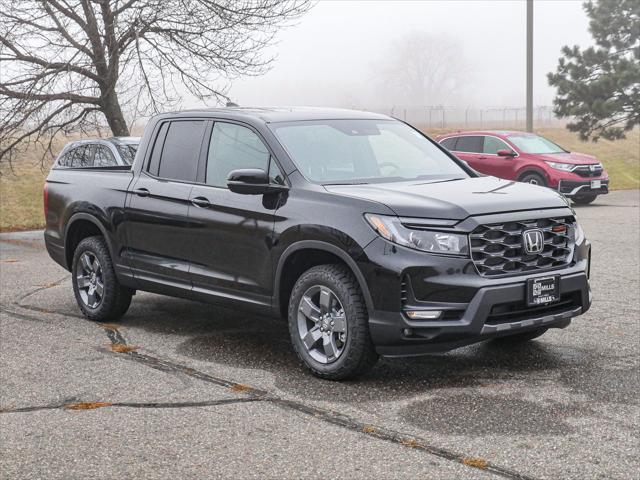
x=91, y=218
x=330, y=248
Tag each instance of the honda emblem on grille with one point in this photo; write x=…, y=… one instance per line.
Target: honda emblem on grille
x=592, y=168
x=533, y=241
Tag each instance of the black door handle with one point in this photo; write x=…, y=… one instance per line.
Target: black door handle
x=201, y=202
x=141, y=192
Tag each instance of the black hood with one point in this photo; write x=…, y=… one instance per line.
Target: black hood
x=455, y=199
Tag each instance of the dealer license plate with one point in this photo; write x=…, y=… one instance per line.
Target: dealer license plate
x=543, y=290
x=596, y=184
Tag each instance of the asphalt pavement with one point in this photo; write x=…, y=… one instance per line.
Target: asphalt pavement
x=186, y=390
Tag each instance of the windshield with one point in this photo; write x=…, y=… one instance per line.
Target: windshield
x=535, y=144
x=127, y=152
x=363, y=151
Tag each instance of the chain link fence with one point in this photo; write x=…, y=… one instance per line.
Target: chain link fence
x=443, y=117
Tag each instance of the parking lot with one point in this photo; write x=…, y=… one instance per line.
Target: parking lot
x=187, y=390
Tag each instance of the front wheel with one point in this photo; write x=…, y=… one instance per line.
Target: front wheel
x=329, y=325
x=584, y=200
x=95, y=286
x=534, y=179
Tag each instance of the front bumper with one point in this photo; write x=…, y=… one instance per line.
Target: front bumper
x=571, y=188
x=475, y=308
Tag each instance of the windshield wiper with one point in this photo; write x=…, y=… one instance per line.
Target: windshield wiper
x=346, y=183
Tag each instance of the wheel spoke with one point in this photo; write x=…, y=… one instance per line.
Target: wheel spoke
x=330, y=349
x=86, y=263
x=325, y=300
x=100, y=289
x=339, y=323
x=312, y=337
x=83, y=281
x=95, y=265
x=91, y=298
x=309, y=310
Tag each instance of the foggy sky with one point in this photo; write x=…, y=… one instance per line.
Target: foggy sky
x=332, y=56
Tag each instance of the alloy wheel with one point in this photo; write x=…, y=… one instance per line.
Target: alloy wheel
x=89, y=280
x=322, y=324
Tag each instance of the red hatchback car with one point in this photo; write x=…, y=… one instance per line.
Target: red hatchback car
x=530, y=158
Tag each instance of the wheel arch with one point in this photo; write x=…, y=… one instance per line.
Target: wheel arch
x=79, y=227
x=533, y=169
x=303, y=255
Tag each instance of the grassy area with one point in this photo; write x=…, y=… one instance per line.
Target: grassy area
x=21, y=189
x=21, y=205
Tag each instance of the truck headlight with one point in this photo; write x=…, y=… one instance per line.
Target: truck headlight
x=565, y=167
x=447, y=243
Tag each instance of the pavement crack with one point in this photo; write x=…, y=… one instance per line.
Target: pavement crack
x=322, y=414
x=155, y=405
x=254, y=394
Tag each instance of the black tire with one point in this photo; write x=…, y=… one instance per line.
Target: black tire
x=115, y=299
x=584, y=200
x=519, y=338
x=534, y=179
x=358, y=353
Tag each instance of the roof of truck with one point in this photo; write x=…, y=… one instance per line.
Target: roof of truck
x=290, y=114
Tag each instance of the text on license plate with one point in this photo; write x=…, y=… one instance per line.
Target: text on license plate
x=543, y=290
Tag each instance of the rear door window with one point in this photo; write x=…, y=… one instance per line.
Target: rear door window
x=177, y=156
x=104, y=157
x=449, y=143
x=470, y=144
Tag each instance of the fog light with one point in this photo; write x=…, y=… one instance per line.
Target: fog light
x=424, y=314
x=407, y=332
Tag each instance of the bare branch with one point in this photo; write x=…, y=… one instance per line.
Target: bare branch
x=74, y=64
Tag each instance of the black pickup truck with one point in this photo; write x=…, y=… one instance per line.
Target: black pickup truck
x=369, y=237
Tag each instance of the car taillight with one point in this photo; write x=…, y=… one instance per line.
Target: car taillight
x=45, y=198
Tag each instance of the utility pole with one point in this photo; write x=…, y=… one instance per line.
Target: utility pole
x=529, y=65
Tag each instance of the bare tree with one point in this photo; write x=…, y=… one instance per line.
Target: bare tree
x=69, y=64
x=422, y=69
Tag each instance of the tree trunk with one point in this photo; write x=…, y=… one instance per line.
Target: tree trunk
x=113, y=113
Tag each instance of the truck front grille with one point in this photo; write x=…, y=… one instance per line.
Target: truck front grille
x=497, y=249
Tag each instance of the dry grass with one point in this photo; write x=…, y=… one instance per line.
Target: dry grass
x=87, y=405
x=21, y=189
x=238, y=387
x=368, y=429
x=122, y=348
x=476, y=462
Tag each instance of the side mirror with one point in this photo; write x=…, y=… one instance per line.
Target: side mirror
x=506, y=153
x=252, y=181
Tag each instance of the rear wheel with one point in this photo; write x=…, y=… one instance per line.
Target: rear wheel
x=534, y=179
x=329, y=325
x=519, y=338
x=95, y=286
x=584, y=199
